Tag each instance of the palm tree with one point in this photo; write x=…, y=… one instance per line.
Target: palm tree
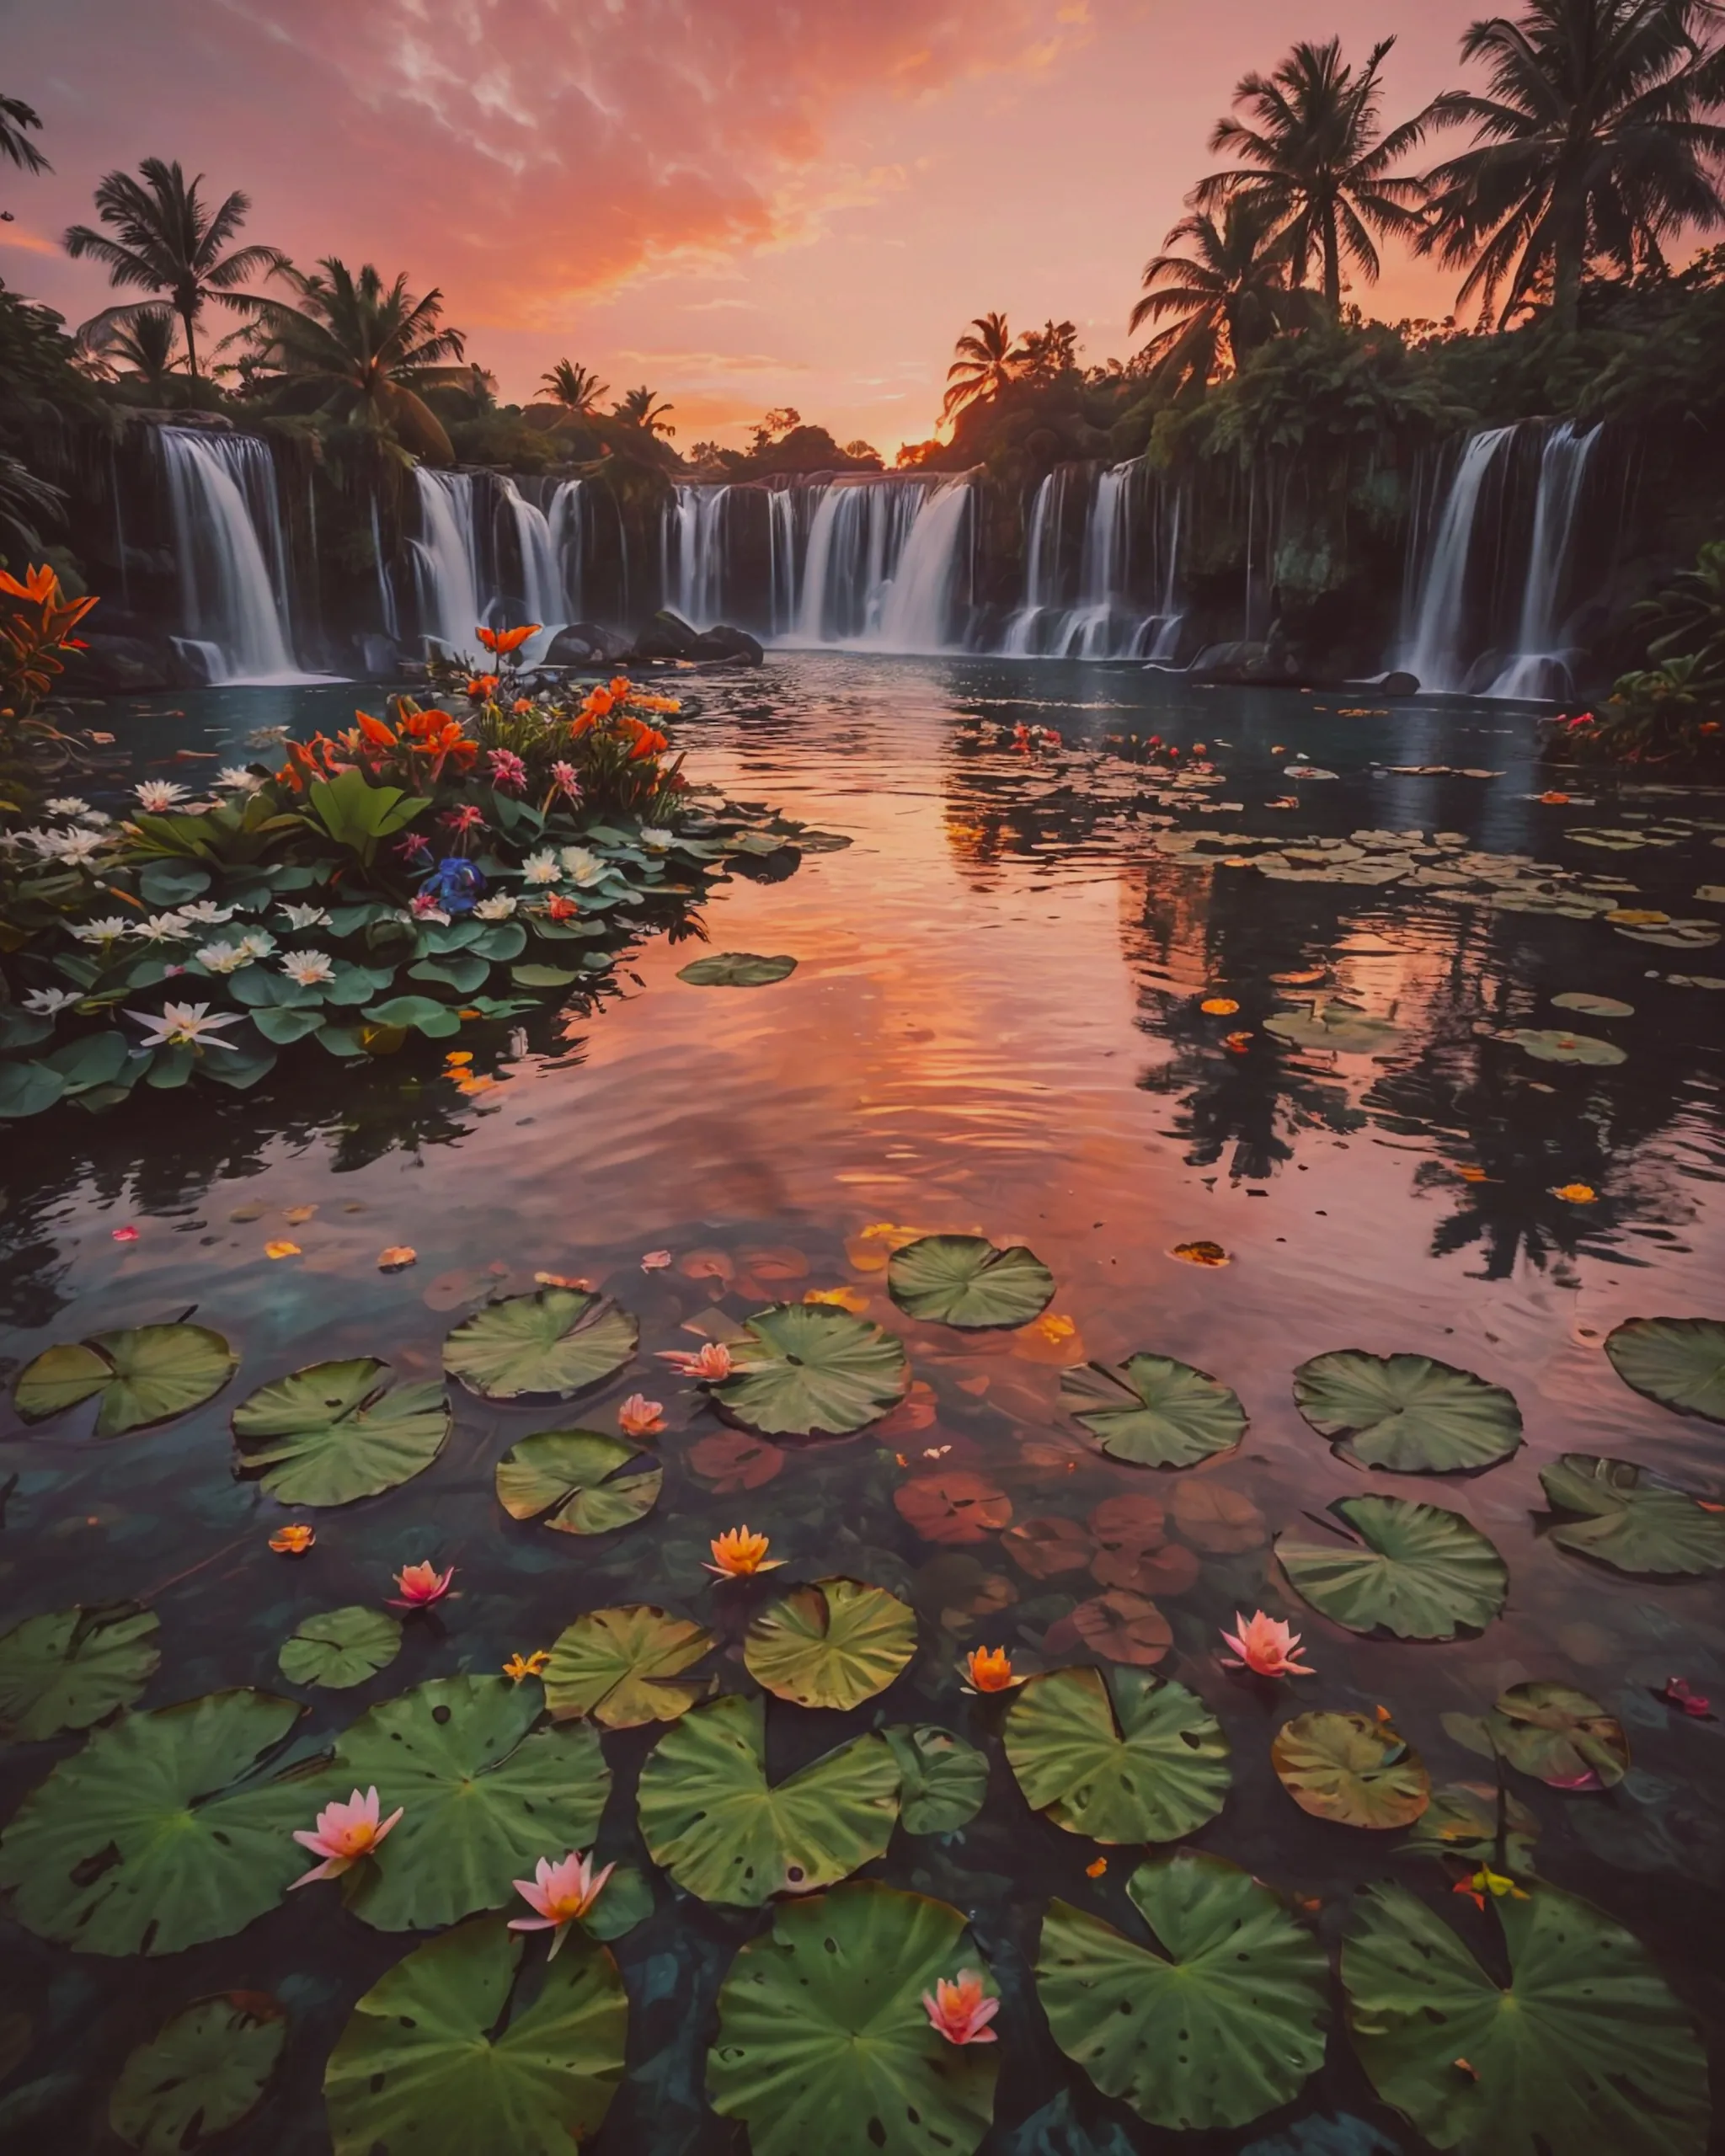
x=984, y=361
x=362, y=351
x=170, y=242
x=575, y=387
x=15, y=116
x=1592, y=143
x=1228, y=295
x=145, y=344
x=1315, y=163
x=640, y=408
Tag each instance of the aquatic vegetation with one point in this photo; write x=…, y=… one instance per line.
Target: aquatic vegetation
x=204, y=2071
x=1154, y=1410
x=740, y=1554
x=1351, y=1768
x=578, y=1481
x=963, y=1280
x=345, y=1835
x=560, y=1894
x=418, y=1586
x=1407, y=1412
x=961, y=2011
x=1418, y=1570
x=989, y=1669
x=1265, y=1645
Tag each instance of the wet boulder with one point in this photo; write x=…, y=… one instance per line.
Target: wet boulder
x=667, y=635
x=586, y=644
x=724, y=645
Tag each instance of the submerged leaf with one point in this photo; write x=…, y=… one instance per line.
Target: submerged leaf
x=1552, y=1732
x=73, y=1667
x=201, y=2073
x=735, y=970
x=942, y=1780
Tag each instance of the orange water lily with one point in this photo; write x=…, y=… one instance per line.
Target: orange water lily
x=989, y=1669
x=1265, y=1645
x=559, y=1894
x=712, y=1363
x=522, y=1666
x=738, y=1554
x=960, y=2009
x=293, y=1541
x=343, y=1835
x=1576, y=1193
x=505, y=641
x=640, y=1416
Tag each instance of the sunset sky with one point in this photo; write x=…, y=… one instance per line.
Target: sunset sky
x=744, y=203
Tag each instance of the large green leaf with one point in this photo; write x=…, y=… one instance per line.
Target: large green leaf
x=335, y=1432
x=199, y=2074
x=1352, y=1768
x=575, y=1476
x=1343, y=1026
x=1678, y=1361
x=1558, y=1047
x=943, y=1781
x=1123, y=1757
x=965, y=1280
x=159, y=1833
x=340, y=1647
x=1418, y=1570
x=1631, y=1519
x=359, y=815
x=1226, y=2023
x=804, y=1368
x=823, y=2043
x=1552, y=1732
x=485, y=1796
x=831, y=1645
x=147, y=1375
x=625, y=1667
x=1154, y=1411
x=736, y=969
x=73, y=1667
x=709, y=1818
x=547, y=1346
x=1462, y=1822
x=1585, y=2052
x=1407, y=1412
x=428, y=2066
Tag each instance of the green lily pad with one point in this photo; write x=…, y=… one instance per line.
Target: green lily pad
x=1630, y=1518
x=1552, y=1732
x=1351, y=1769
x=1227, y=2022
x=625, y=1667
x=1342, y=1027
x=1420, y=1571
x=1585, y=2051
x=148, y=1374
x=428, y=2063
x=1154, y=1411
x=1556, y=1046
x=803, y=1368
x=709, y=1818
x=73, y=1667
x=547, y=1346
x=823, y=2043
x=27, y=1089
x=537, y=976
x=339, y=1648
x=1462, y=1822
x=943, y=1781
x=831, y=1645
x=1593, y=1006
x=1123, y=1757
x=1407, y=1412
x=1674, y=935
x=966, y=1281
x=203, y=2073
x=735, y=970
x=485, y=1796
x=575, y=1476
x=437, y=1022
x=336, y=1431
x=159, y=1833
x=1678, y=1361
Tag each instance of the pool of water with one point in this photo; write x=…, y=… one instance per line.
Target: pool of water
x=994, y=1026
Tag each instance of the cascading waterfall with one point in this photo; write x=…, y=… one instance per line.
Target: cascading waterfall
x=1090, y=616
x=1541, y=667
x=231, y=553
x=693, y=554
x=542, y=574
x=857, y=542
x=1432, y=649
x=918, y=602
x=447, y=557
x=566, y=519
x=1042, y=562
x=781, y=558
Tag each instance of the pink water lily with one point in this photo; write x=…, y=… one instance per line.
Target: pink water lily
x=421, y=1585
x=343, y=1835
x=712, y=1363
x=961, y=2009
x=559, y=1893
x=1265, y=1645
x=640, y=1416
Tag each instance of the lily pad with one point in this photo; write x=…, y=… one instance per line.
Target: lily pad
x=339, y=1648
x=1123, y=1757
x=1154, y=1410
x=624, y=1666
x=710, y=1818
x=1342, y=1026
x=955, y=1505
x=1678, y=1361
x=73, y=1667
x=485, y=1795
x=736, y=969
x=831, y=1645
x=1462, y=1821
x=1351, y=1769
x=429, y=2064
x=1227, y=2022
x=823, y=2043
x=800, y=1368
x=203, y=2073
x=1552, y=1732
x=547, y=1346
x=160, y=1833
x=966, y=1281
x=943, y=1781
x=1586, y=2050
x=1420, y=1571
x=335, y=1432
x=1407, y=1412
x=1556, y=1046
x=148, y=1374
x=576, y=1477
x=1593, y=1006
x=1631, y=1519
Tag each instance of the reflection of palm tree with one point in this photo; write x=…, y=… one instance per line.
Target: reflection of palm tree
x=1315, y=162
x=1229, y=294
x=170, y=243
x=640, y=408
x=985, y=362
x=1592, y=143
x=575, y=387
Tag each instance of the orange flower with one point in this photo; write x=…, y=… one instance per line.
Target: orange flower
x=1576, y=1193
x=738, y=1555
x=648, y=743
x=1096, y=1871
x=989, y=1669
x=620, y=686
x=292, y=1541
x=1219, y=1007
x=520, y=1666
x=640, y=1416
x=597, y=703
x=961, y=2011
x=397, y=1257
x=505, y=641
x=1236, y=1044
x=558, y=908
x=521, y=705
x=481, y=685
x=374, y=729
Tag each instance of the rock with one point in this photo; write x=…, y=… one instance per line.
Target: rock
x=379, y=655
x=1395, y=683
x=667, y=635
x=584, y=644
x=119, y=666
x=728, y=646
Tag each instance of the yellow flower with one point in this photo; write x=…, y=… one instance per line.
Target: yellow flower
x=1576, y=1193
x=737, y=1555
x=281, y=1250
x=1219, y=1007
x=526, y=1665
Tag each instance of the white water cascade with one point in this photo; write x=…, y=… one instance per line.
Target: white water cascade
x=1432, y=647
x=781, y=558
x=1541, y=667
x=857, y=543
x=916, y=607
x=1042, y=562
x=542, y=572
x=566, y=520
x=446, y=559
x=692, y=552
x=231, y=552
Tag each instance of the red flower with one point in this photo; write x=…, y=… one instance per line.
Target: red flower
x=504, y=641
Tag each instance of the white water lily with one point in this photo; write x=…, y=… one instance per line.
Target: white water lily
x=156, y=796
x=108, y=930
x=235, y=778
x=301, y=918
x=224, y=957
x=67, y=804
x=498, y=909
x=48, y=1002
x=205, y=913
x=541, y=868
x=163, y=928
x=310, y=969
x=78, y=846
x=583, y=867
x=257, y=943
x=186, y=1025
x=655, y=840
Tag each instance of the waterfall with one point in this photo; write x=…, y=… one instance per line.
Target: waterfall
x=386, y=593
x=1433, y=649
x=781, y=558
x=1042, y=561
x=1158, y=635
x=917, y=605
x=858, y=538
x=231, y=553
x=542, y=574
x=447, y=557
x=1540, y=668
x=566, y=522
x=1098, y=622
x=693, y=549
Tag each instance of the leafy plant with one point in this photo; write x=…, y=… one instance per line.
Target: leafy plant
x=352, y=812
